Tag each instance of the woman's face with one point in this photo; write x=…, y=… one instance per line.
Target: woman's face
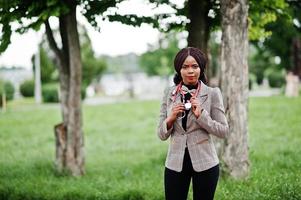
x=190, y=71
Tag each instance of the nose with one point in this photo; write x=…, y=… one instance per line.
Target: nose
x=190, y=70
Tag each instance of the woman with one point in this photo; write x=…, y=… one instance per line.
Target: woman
x=190, y=113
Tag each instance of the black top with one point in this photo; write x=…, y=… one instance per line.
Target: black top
x=187, y=97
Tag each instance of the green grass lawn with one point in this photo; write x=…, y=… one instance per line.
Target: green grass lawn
x=125, y=159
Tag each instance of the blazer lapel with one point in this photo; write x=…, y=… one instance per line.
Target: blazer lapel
x=202, y=96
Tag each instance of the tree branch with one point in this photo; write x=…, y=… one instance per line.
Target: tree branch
x=64, y=37
x=52, y=42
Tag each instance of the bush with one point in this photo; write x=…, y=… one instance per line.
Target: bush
x=83, y=92
x=252, y=80
x=9, y=91
x=50, y=93
x=276, y=78
x=27, y=88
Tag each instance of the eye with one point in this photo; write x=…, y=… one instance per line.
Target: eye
x=195, y=66
x=184, y=67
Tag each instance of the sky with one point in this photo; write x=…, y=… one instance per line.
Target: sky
x=113, y=39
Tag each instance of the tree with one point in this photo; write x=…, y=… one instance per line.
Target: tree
x=32, y=14
x=159, y=61
x=200, y=17
x=194, y=17
x=48, y=68
x=200, y=23
x=6, y=93
x=260, y=59
x=285, y=41
x=93, y=67
x=70, y=156
x=234, y=67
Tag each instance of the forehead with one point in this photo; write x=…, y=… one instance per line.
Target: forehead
x=190, y=61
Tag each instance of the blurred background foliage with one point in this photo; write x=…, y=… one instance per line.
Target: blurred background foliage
x=274, y=34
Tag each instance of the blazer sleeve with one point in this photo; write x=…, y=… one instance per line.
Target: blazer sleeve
x=162, y=131
x=216, y=123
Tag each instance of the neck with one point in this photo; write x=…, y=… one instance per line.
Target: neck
x=191, y=84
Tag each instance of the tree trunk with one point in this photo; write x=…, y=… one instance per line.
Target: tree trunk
x=64, y=77
x=199, y=26
x=64, y=70
x=74, y=147
x=3, y=103
x=234, y=82
x=296, y=52
x=37, y=77
x=69, y=134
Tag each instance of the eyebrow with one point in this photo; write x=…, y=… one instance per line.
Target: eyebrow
x=192, y=64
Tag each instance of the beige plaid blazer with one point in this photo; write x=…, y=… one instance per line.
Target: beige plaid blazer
x=198, y=135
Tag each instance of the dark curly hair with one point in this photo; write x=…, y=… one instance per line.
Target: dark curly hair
x=181, y=56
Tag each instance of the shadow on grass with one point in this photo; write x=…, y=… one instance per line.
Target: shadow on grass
x=39, y=181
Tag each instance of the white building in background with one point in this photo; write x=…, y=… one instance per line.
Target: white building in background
x=16, y=76
x=143, y=86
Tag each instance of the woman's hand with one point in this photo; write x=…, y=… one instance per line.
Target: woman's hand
x=175, y=111
x=195, y=106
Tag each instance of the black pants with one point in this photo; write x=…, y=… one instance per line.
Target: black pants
x=177, y=183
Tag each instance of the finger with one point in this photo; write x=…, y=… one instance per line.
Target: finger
x=192, y=98
x=178, y=109
x=195, y=104
x=178, y=105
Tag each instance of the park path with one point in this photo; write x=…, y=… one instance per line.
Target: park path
x=111, y=99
